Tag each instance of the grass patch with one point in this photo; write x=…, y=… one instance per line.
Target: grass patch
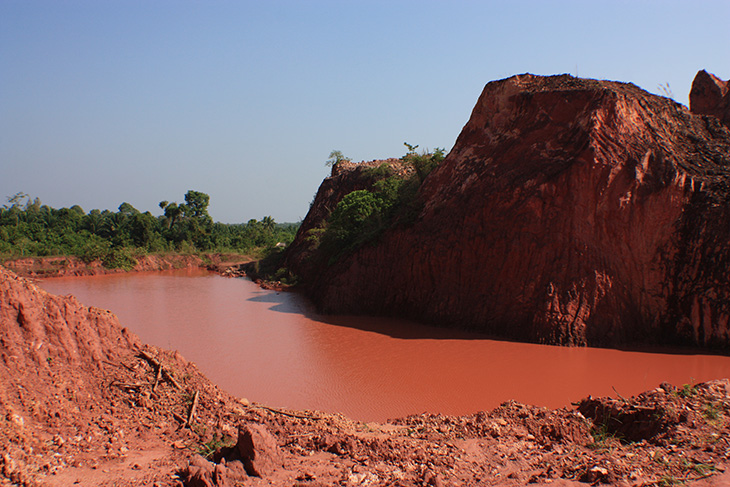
x=712, y=411
x=208, y=448
x=686, y=391
x=603, y=437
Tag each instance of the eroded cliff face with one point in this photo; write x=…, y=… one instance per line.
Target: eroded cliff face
x=569, y=211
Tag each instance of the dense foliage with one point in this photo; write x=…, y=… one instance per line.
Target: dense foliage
x=362, y=215
x=29, y=228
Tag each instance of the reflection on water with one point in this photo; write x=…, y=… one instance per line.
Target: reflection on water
x=272, y=348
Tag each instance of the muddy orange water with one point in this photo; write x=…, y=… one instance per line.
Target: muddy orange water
x=273, y=349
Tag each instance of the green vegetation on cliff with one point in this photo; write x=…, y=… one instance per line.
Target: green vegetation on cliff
x=29, y=228
x=362, y=215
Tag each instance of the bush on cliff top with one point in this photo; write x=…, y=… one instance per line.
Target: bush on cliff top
x=362, y=215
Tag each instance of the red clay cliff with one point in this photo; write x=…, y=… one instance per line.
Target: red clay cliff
x=570, y=211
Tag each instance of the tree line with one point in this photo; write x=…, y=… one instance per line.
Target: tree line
x=30, y=228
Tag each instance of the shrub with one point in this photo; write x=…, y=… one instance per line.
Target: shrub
x=357, y=218
x=93, y=249
x=382, y=171
x=425, y=162
x=119, y=258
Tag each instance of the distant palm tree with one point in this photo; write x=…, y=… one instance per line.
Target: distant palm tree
x=268, y=223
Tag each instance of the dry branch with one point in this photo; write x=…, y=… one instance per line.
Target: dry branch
x=284, y=413
x=619, y=395
x=191, y=414
x=157, y=378
x=155, y=363
x=123, y=385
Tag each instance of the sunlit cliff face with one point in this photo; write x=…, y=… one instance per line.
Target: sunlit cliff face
x=569, y=211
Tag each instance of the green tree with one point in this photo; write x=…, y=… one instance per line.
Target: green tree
x=172, y=211
x=268, y=223
x=197, y=205
x=127, y=210
x=336, y=157
x=356, y=219
x=16, y=201
x=142, y=228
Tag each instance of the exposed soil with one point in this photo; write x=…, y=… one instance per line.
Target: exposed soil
x=73, y=266
x=83, y=402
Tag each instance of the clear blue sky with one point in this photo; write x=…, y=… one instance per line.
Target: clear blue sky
x=106, y=101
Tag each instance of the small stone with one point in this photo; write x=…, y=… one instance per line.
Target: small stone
x=17, y=420
x=594, y=474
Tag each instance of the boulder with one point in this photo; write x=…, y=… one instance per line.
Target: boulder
x=709, y=96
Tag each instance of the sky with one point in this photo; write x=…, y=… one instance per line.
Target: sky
x=139, y=101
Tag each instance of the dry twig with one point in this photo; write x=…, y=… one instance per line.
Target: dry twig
x=155, y=363
x=191, y=414
x=284, y=413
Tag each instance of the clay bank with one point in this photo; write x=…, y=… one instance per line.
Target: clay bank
x=569, y=211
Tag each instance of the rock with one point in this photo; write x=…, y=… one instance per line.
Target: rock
x=570, y=211
x=595, y=474
x=203, y=473
x=432, y=479
x=709, y=96
x=235, y=471
x=199, y=473
x=258, y=450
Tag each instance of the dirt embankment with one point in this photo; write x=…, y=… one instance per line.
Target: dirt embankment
x=84, y=402
x=73, y=266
